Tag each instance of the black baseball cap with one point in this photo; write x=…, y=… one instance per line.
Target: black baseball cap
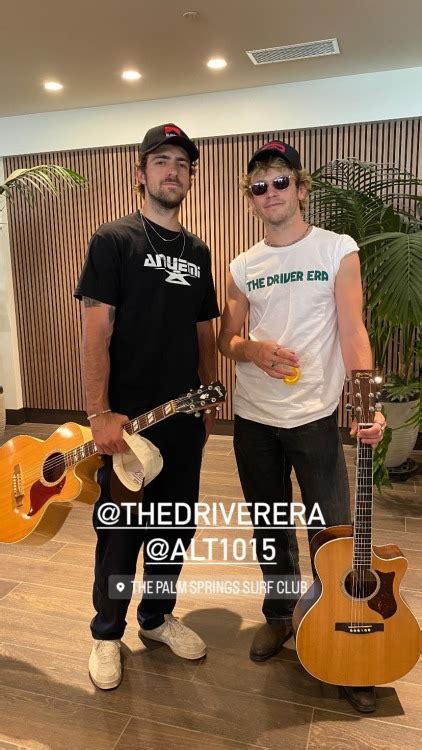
x=168, y=133
x=276, y=148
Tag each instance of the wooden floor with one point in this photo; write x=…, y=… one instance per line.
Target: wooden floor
x=225, y=701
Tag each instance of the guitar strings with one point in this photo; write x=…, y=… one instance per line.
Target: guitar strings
x=361, y=583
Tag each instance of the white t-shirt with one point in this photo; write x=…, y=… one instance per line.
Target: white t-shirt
x=291, y=297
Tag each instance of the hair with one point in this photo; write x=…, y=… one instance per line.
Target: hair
x=301, y=176
x=142, y=165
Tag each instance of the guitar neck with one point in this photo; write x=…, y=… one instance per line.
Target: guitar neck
x=362, y=530
x=138, y=424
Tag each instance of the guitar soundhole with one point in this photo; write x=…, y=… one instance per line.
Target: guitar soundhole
x=54, y=468
x=361, y=584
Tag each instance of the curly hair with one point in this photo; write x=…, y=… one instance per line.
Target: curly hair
x=302, y=177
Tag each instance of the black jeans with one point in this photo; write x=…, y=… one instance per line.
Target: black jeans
x=180, y=440
x=265, y=456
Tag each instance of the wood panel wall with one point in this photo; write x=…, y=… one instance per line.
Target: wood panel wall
x=49, y=239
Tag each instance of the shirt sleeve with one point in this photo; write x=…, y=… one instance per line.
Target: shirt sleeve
x=101, y=274
x=238, y=271
x=344, y=246
x=209, y=307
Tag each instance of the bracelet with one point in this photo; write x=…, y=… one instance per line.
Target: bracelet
x=91, y=416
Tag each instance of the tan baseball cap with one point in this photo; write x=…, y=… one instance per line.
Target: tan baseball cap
x=140, y=465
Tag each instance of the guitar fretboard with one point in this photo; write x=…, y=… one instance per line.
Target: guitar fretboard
x=138, y=424
x=362, y=531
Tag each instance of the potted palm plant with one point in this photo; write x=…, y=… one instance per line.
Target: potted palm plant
x=378, y=205
x=40, y=179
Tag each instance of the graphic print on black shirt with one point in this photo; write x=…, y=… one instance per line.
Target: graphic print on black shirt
x=160, y=291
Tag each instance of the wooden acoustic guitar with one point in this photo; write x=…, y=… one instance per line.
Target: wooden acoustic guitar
x=36, y=473
x=352, y=626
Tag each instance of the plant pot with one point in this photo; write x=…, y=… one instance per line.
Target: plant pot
x=403, y=440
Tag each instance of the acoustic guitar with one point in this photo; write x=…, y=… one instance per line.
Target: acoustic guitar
x=36, y=473
x=352, y=626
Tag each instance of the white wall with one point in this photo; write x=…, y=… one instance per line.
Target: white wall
x=388, y=95
x=10, y=377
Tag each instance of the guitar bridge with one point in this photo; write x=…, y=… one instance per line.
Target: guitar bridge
x=17, y=486
x=362, y=628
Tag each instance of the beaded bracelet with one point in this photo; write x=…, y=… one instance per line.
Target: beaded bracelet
x=91, y=416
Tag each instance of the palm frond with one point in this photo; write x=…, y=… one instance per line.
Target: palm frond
x=393, y=268
x=43, y=178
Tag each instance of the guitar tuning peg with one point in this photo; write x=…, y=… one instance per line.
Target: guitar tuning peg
x=349, y=407
x=378, y=406
x=197, y=414
x=378, y=395
x=207, y=411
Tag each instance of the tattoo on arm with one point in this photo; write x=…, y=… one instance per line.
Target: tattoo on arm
x=89, y=302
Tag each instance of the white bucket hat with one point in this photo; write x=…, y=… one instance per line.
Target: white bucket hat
x=140, y=465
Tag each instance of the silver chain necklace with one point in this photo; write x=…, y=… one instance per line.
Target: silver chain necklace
x=150, y=242
x=164, y=239
x=302, y=236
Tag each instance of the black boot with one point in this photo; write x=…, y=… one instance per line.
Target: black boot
x=361, y=698
x=269, y=639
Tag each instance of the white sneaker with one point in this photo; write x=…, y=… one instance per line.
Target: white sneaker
x=179, y=638
x=105, y=667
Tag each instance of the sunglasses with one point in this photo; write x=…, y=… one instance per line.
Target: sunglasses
x=279, y=183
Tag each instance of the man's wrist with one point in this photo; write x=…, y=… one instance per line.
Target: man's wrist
x=99, y=413
x=248, y=348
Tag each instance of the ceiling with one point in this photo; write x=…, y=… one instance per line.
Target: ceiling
x=86, y=44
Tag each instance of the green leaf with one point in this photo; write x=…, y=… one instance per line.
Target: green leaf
x=43, y=178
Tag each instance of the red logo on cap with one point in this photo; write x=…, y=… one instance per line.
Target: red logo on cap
x=275, y=145
x=172, y=130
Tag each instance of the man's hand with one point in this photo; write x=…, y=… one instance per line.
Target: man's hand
x=275, y=360
x=372, y=435
x=107, y=433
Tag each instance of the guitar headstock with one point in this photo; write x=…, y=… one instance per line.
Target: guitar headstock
x=204, y=398
x=365, y=395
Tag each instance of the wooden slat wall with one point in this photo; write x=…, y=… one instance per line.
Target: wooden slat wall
x=49, y=239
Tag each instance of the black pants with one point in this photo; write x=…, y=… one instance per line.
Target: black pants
x=180, y=440
x=265, y=456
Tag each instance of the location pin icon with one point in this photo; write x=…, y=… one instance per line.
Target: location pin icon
x=120, y=587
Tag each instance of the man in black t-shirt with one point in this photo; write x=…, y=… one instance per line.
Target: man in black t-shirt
x=148, y=304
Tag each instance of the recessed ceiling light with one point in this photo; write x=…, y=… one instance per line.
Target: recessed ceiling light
x=216, y=63
x=131, y=75
x=191, y=15
x=53, y=86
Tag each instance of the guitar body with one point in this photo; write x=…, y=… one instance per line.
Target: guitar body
x=369, y=639
x=33, y=475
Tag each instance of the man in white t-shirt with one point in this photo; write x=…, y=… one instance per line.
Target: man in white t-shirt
x=301, y=287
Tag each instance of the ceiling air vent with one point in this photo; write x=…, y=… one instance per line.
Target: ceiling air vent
x=294, y=52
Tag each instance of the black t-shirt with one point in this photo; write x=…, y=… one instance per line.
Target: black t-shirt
x=160, y=291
